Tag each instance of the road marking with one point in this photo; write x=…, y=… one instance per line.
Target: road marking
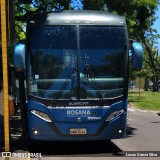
x=132, y=110
x=139, y=110
x=16, y=135
x=142, y=111
x=18, y=117
x=129, y=119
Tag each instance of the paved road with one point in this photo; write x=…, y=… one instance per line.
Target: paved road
x=143, y=134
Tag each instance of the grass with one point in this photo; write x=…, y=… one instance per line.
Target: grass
x=145, y=99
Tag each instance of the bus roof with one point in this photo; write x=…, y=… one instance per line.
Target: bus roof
x=83, y=17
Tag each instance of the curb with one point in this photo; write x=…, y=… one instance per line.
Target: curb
x=130, y=105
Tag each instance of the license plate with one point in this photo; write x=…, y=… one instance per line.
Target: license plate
x=78, y=131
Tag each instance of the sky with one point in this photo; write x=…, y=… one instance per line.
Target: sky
x=157, y=25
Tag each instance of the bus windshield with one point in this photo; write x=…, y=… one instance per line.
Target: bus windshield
x=81, y=62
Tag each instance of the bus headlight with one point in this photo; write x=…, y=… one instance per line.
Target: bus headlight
x=41, y=115
x=115, y=114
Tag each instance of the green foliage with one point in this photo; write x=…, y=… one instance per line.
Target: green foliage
x=139, y=14
x=93, y=5
x=25, y=1
x=20, y=31
x=140, y=99
x=23, y=9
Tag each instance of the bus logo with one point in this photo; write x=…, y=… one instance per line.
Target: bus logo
x=76, y=112
x=78, y=120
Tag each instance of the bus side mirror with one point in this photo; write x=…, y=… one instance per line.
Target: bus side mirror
x=19, y=57
x=137, y=55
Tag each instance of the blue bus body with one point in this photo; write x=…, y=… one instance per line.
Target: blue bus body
x=75, y=64
x=66, y=119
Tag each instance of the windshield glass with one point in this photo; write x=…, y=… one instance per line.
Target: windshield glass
x=83, y=62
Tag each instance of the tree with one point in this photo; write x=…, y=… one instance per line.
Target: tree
x=35, y=6
x=24, y=8
x=93, y=5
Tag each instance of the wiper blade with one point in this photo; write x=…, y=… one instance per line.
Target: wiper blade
x=59, y=94
x=89, y=71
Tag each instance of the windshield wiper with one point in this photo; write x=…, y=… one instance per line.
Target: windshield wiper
x=90, y=73
x=59, y=94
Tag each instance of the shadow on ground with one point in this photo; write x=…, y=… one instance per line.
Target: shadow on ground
x=130, y=131
x=86, y=148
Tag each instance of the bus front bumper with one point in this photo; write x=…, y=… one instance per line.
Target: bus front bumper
x=49, y=131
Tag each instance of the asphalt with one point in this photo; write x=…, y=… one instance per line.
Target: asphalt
x=18, y=146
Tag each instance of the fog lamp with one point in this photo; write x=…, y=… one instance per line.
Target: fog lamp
x=120, y=131
x=35, y=131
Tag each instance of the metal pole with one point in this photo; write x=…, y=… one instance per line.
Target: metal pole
x=5, y=76
x=139, y=88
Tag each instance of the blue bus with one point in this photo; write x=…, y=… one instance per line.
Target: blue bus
x=75, y=65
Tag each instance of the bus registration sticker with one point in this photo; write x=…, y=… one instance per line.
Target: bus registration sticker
x=78, y=131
